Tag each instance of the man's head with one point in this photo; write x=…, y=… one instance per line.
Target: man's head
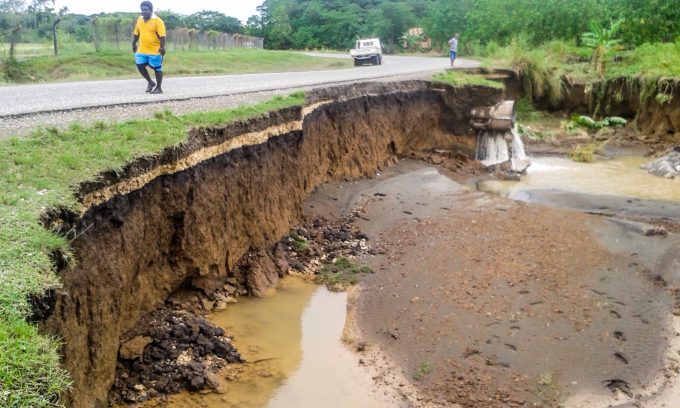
x=147, y=9
x=456, y=35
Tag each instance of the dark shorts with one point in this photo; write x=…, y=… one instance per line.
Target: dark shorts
x=452, y=54
x=154, y=61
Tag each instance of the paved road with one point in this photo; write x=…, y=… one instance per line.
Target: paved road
x=31, y=99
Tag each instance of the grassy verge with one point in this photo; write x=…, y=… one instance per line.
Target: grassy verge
x=458, y=78
x=38, y=172
x=120, y=64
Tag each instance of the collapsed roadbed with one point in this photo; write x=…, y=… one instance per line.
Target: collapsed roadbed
x=187, y=216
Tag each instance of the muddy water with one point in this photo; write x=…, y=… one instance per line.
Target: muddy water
x=618, y=177
x=292, y=341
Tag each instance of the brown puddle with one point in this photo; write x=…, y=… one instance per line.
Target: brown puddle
x=296, y=358
x=620, y=177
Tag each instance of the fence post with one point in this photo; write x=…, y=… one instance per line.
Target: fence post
x=54, y=35
x=94, y=34
x=13, y=40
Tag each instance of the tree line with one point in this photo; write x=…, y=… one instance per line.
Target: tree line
x=36, y=18
x=336, y=24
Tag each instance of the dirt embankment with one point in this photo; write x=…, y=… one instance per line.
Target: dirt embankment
x=654, y=105
x=187, y=216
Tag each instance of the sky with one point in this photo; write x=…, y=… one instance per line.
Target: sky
x=241, y=9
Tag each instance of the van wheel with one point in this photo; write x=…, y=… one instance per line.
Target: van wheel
x=374, y=60
x=356, y=62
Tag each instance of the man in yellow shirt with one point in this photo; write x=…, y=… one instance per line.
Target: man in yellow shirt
x=150, y=33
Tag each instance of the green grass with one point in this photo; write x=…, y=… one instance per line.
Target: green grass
x=424, y=369
x=586, y=153
x=649, y=60
x=300, y=243
x=38, y=172
x=546, y=393
x=341, y=274
x=89, y=65
x=458, y=78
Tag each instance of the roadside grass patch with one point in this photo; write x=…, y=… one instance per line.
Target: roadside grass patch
x=457, y=78
x=119, y=64
x=38, y=172
x=341, y=274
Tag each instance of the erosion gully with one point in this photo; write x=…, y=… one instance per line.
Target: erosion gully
x=558, y=289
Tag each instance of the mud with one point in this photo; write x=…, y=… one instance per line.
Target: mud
x=505, y=303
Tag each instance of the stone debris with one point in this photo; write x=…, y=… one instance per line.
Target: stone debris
x=667, y=166
x=169, y=352
x=133, y=349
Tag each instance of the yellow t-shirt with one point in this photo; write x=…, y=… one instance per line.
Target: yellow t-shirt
x=149, y=33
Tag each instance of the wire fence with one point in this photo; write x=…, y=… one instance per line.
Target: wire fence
x=116, y=34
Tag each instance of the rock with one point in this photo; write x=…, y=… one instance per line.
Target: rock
x=665, y=166
x=133, y=349
x=220, y=306
x=195, y=382
x=212, y=381
x=230, y=289
x=208, y=304
x=232, y=281
x=652, y=231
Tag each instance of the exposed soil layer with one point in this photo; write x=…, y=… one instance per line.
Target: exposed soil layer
x=190, y=226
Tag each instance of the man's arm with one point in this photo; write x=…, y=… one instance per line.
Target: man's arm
x=162, y=49
x=135, y=39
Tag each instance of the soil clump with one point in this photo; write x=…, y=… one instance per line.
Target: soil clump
x=170, y=350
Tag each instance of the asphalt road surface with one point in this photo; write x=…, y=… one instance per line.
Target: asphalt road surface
x=24, y=100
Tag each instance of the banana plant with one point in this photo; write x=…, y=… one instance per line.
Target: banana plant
x=602, y=40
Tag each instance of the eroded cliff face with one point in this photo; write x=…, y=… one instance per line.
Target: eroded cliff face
x=188, y=215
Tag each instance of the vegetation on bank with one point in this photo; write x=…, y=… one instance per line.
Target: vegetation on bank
x=543, y=70
x=120, y=64
x=38, y=172
x=461, y=78
x=341, y=273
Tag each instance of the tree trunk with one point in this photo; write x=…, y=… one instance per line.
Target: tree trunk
x=54, y=36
